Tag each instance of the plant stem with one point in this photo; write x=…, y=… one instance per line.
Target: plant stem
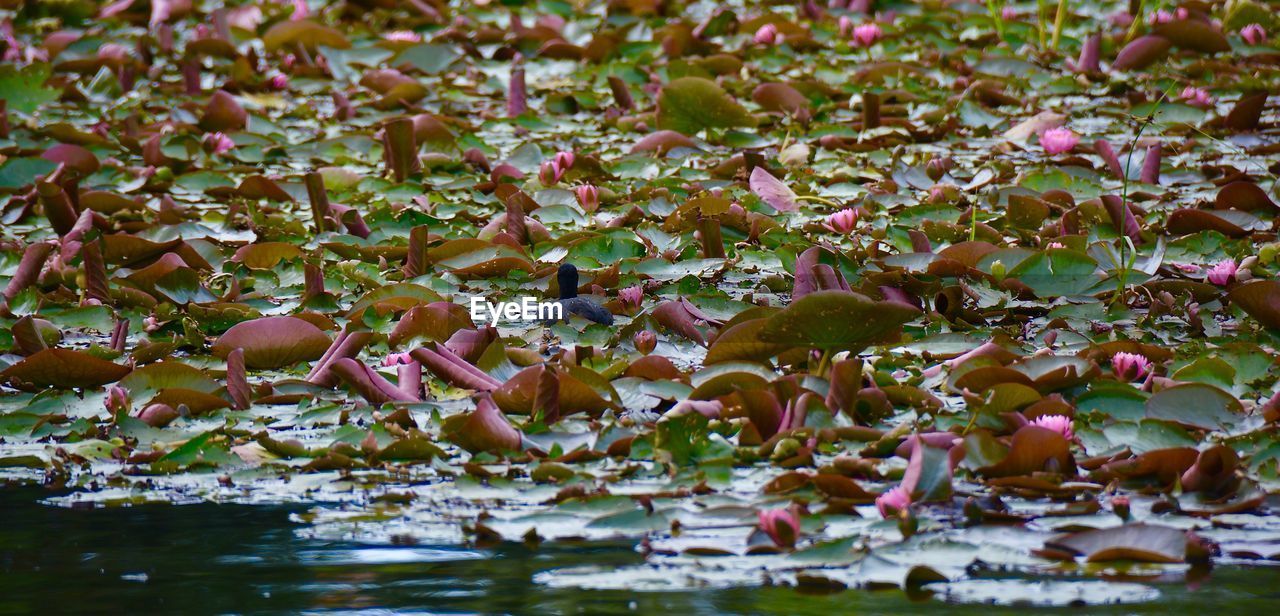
x=817, y=199
x=1058, y=21
x=1040, y=25
x=996, y=18
x=1137, y=21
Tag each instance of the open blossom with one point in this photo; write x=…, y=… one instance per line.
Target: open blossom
x=1253, y=34
x=866, y=35
x=1197, y=97
x=767, y=35
x=1130, y=366
x=842, y=222
x=782, y=526
x=1058, y=423
x=406, y=36
x=893, y=501
x=1058, y=140
x=631, y=296
x=218, y=143
x=588, y=197
x=1223, y=273
x=1163, y=17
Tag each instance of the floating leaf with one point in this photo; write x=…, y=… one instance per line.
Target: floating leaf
x=692, y=104
x=837, y=320
x=63, y=368
x=273, y=342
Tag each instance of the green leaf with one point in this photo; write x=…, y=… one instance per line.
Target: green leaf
x=24, y=89
x=692, y=104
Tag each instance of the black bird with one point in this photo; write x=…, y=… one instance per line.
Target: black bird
x=581, y=306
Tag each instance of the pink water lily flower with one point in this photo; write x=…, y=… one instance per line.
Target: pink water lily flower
x=1130, y=366
x=397, y=359
x=300, y=10
x=842, y=222
x=405, y=36
x=631, y=296
x=1163, y=17
x=767, y=35
x=1196, y=97
x=218, y=143
x=893, y=501
x=564, y=160
x=866, y=35
x=588, y=197
x=1253, y=34
x=1058, y=140
x=1008, y=13
x=782, y=526
x=846, y=26
x=278, y=82
x=1058, y=423
x=1223, y=273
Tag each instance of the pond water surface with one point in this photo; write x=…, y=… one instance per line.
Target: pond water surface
x=209, y=558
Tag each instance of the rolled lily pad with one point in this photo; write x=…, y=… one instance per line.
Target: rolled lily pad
x=1142, y=52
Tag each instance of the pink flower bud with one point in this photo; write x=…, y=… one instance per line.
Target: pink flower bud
x=1253, y=34
x=564, y=160
x=300, y=10
x=893, y=501
x=767, y=35
x=397, y=359
x=588, y=197
x=278, y=82
x=866, y=35
x=549, y=173
x=782, y=526
x=1058, y=140
x=645, y=341
x=117, y=401
x=846, y=26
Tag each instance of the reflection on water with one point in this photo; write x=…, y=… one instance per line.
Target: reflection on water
x=242, y=559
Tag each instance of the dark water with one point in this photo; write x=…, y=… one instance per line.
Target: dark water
x=198, y=559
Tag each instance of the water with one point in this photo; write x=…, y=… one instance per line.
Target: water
x=208, y=558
